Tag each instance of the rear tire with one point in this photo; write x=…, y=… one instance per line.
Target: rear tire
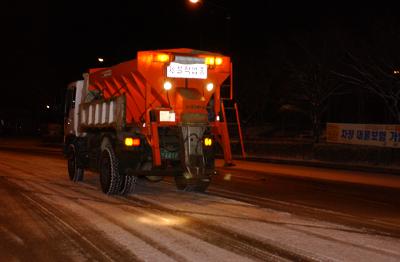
x=75, y=173
x=110, y=179
x=128, y=185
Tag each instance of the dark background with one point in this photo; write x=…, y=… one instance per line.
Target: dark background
x=48, y=44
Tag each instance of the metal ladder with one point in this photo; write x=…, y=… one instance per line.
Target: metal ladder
x=232, y=122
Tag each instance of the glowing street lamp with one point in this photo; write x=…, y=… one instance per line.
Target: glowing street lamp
x=100, y=59
x=211, y=3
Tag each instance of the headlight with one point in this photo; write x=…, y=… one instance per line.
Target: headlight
x=210, y=87
x=167, y=85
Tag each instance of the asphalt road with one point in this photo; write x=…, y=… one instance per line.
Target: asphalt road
x=371, y=207
x=245, y=216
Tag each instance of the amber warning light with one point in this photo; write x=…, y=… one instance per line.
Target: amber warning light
x=130, y=141
x=210, y=60
x=207, y=141
x=162, y=58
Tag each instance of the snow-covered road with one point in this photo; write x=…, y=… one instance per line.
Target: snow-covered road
x=45, y=217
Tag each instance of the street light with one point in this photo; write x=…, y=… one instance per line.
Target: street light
x=209, y=2
x=100, y=59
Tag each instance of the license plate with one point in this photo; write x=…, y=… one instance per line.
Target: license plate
x=176, y=70
x=167, y=116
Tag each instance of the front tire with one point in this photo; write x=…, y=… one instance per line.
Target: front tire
x=75, y=173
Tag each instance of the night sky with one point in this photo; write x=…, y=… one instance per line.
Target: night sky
x=47, y=44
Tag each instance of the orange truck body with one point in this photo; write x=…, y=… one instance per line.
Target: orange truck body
x=141, y=81
x=158, y=115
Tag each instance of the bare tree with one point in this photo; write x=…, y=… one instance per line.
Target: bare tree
x=255, y=99
x=374, y=63
x=380, y=77
x=313, y=84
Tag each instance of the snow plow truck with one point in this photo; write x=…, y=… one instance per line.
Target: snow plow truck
x=154, y=116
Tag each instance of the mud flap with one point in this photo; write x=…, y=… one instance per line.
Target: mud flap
x=197, y=164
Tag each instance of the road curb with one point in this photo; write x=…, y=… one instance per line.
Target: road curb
x=310, y=163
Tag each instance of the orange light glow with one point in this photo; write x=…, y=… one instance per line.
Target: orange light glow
x=162, y=58
x=209, y=60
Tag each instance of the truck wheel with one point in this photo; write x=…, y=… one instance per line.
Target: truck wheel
x=75, y=173
x=128, y=185
x=191, y=184
x=110, y=179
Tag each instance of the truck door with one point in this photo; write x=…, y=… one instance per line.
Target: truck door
x=69, y=110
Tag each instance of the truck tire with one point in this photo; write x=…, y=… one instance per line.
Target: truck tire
x=75, y=173
x=110, y=179
x=192, y=184
x=128, y=185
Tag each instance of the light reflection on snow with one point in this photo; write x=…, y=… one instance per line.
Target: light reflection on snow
x=162, y=221
x=227, y=176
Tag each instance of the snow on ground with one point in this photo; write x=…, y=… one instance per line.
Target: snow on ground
x=159, y=223
x=321, y=239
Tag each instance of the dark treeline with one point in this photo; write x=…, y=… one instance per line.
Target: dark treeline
x=340, y=68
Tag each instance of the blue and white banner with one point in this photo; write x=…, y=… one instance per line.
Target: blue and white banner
x=364, y=134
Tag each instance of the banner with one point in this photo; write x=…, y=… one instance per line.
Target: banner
x=364, y=134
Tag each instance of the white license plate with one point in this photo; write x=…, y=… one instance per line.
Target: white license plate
x=176, y=70
x=167, y=116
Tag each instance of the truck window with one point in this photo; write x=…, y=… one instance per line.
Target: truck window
x=70, y=100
